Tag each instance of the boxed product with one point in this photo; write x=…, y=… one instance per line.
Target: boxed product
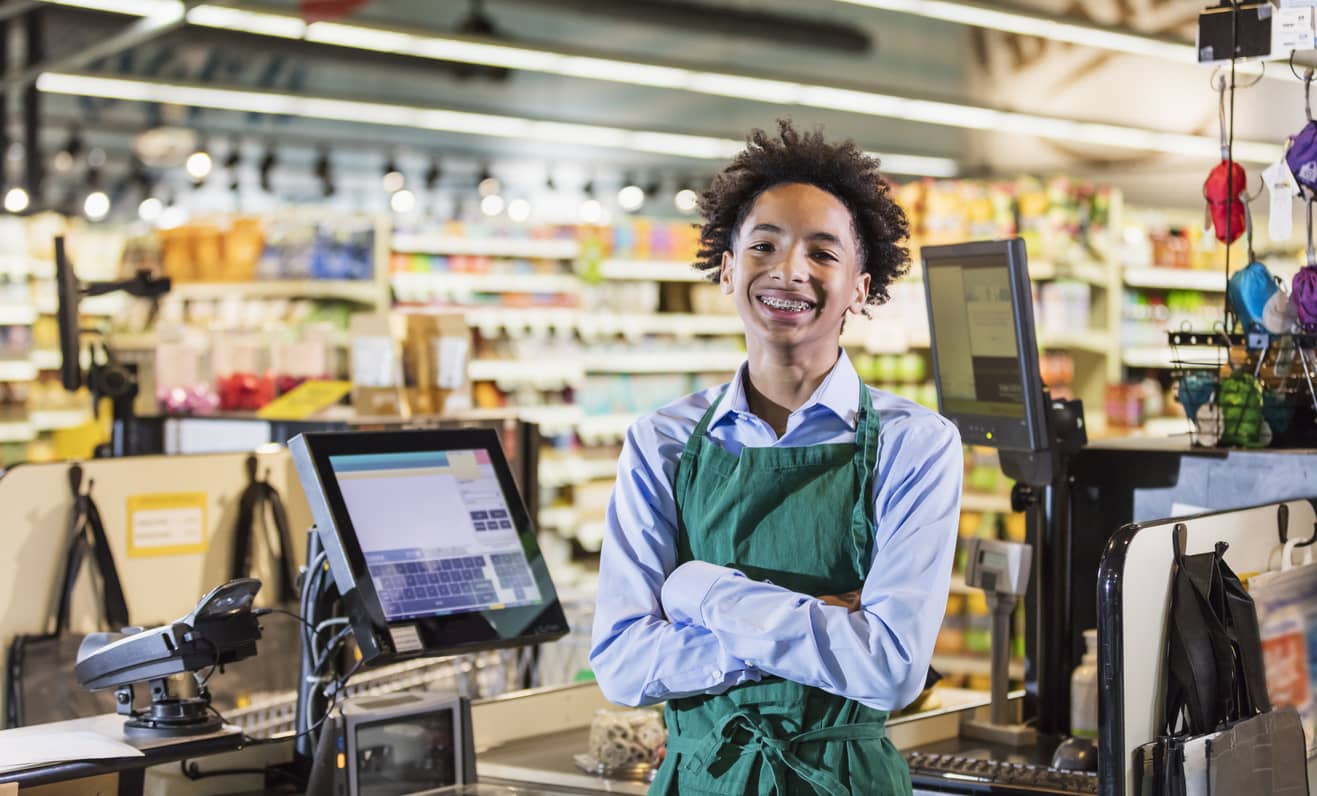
x=376, y=366
x=435, y=351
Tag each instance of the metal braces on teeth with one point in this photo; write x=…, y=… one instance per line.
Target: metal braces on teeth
x=784, y=304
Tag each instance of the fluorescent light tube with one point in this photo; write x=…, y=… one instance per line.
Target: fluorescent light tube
x=777, y=92
x=980, y=16
x=378, y=113
x=277, y=25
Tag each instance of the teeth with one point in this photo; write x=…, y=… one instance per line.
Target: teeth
x=784, y=304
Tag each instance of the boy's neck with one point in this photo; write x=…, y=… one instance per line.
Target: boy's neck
x=779, y=381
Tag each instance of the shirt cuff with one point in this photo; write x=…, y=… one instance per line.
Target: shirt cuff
x=685, y=590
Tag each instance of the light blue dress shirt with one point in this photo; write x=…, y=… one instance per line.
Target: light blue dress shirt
x=663, y=631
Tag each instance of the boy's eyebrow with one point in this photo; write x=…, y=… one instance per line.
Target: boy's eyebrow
x=767, y=228
x=827, y=237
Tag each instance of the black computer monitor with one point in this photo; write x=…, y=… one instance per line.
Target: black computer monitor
x=428, y=541
x=66, y=315
x=985, y=355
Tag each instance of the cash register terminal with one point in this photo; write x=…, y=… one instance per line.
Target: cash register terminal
x=423, y=547
x=985, y=365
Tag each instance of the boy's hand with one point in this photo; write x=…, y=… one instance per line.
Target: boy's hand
x=850, y=600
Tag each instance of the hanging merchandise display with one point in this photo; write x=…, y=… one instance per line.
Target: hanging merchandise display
x=1301, y=156
x=1240, y=399
x=1224, y=204
x=1305, y=281
x=1255, y=294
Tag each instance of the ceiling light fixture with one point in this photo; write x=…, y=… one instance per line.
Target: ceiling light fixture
x=393, y=179
x=631, y=198
x=249, y=101
x=685, y=200
x=492, y=205
x=16, y=200
x=780, y=92
x=266, y=168
x=1044, y=27
x=433, y=174
x=324, y=172
x=150, y=209
x=519, y=210
x=402, y=201
x=199, y=165
x=96, y=205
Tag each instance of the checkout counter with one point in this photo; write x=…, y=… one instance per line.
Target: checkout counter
x=1098, y=542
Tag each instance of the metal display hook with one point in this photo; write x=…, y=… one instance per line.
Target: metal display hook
x=1307, y=78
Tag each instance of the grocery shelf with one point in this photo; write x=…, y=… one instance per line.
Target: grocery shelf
x=1165, y=427
x=1096, y=342
x=569, y=470
x=17, y=431
x=526, y=248
x=17, y=370
x=364, y=291
x=651, y=270
x=605, y=428
x=17, y=314
x=553, y=419
x=558, y=517
x=981, y=501
x=46, y=359
x=548, y=373
x=106, y=305
x=980, y=665
x=52, y=419
x=1175, y=279
x=445, y=282
x=665, y=362
x=517, y=320
x=1165, y=356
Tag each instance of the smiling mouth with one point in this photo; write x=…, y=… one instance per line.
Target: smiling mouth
x=785, y=304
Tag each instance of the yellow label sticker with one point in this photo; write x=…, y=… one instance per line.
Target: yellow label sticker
x=305, y=400
x=167, y=524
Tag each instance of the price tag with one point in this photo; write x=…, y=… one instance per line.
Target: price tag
x=307, y=399
x=166, y=524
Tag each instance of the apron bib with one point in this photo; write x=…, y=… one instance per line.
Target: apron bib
x=802, y=518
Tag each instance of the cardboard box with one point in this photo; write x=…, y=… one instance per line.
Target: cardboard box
x=436, y=348
x=376, y=366
x=410, y=363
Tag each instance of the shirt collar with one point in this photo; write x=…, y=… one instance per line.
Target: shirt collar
x=839, y=393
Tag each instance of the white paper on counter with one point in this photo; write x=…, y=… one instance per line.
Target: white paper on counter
x=20, y=750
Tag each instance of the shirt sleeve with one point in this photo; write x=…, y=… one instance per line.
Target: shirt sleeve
x=878, y=655
x=638, y=656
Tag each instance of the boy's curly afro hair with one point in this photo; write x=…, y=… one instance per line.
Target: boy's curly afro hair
x=842, y=170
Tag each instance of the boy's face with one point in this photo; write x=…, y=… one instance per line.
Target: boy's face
x=795, y=270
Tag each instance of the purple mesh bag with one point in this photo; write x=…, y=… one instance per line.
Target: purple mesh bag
x=1304, y=296
x=1301, y=157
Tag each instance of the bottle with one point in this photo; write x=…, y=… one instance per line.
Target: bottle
x=1084, y=691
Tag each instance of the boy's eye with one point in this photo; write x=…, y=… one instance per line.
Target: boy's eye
x=762, y=247
x=821, y=255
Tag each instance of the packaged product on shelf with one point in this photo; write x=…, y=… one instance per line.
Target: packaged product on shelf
x=376, y=365
x=296, y=361
x=243, y=379
x=1286, y=603
x=436, y=350
x=182, y=374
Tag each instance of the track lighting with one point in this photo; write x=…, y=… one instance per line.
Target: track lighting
x=268, y=161
x=631, y=198
x=67, y=155
x=16, y=200
x=324, y=172
x=433, y=174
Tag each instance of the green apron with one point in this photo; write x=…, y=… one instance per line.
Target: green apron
x=802, y=518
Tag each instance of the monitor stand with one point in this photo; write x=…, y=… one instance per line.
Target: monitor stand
x=1042, y=492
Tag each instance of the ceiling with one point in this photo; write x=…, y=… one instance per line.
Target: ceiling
x=822, y=42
